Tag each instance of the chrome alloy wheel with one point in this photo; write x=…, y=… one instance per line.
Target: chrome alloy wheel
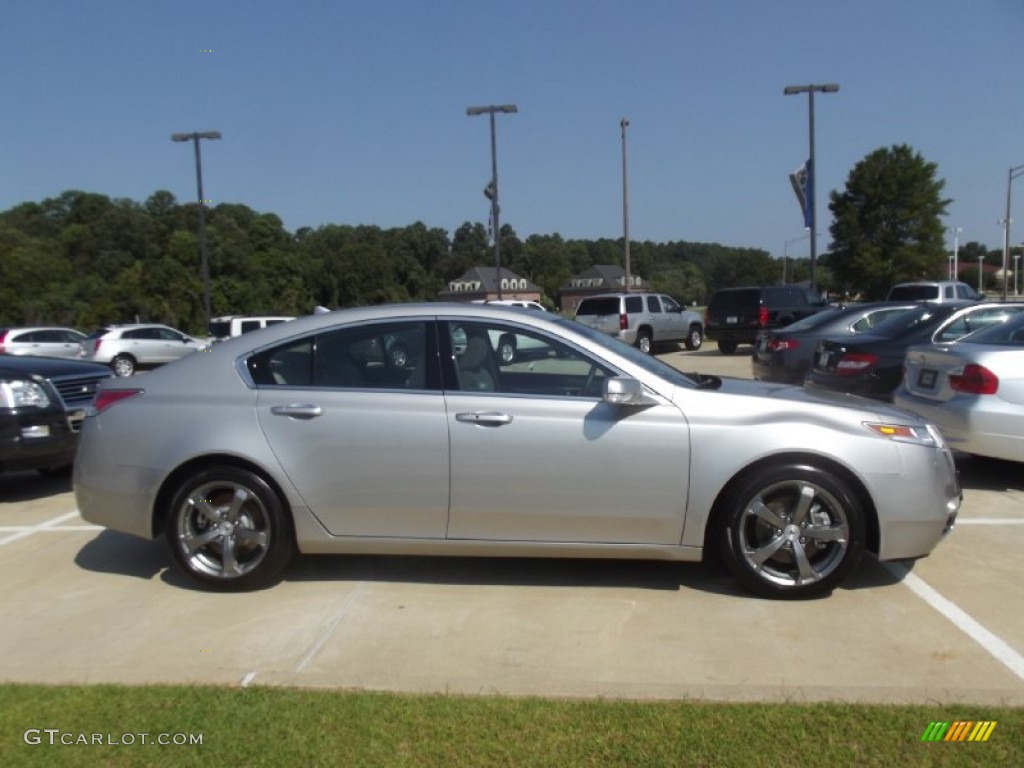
x=793, y=533
x=222, y=530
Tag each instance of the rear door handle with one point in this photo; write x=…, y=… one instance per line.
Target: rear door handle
x=297, y=410
x=484, y=418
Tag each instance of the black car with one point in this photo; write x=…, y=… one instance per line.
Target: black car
x=872, y=364
x=785, y=354
x=736, y=315
x=42, y=405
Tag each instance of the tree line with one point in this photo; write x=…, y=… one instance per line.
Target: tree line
x=83, y=259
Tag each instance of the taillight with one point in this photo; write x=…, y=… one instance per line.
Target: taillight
x=96, y=345
x=975, y=380
x=853, y=363
x=762, y=317
x=779, y=345
x=3, y=337
x=623, y=321
x=108, y=397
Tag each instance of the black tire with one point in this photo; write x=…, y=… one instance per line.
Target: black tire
x=643, y=341
x=227, y=529
x=791, y=531
x=695, y=338
x=123, y=365
x=727, y=346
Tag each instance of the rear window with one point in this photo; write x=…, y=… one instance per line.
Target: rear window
x=913, y=293
x=97, y=333
x=813, y=321
x=605, y=305
x=747, y=298
x=220, y=329
x=911, y=320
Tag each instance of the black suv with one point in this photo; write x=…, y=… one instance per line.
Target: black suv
x=735, y=315
x=42, y=405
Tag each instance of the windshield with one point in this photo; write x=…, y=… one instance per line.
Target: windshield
x=647, y=362
x=1008, y=332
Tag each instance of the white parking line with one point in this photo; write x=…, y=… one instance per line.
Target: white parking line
x=995, y=645
x=990, y=521
x=28, y=530
x=51, y=529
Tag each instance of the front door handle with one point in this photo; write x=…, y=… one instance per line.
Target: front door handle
x=297, y=410
x=484, y=418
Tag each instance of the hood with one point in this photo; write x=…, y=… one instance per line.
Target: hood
x=787, y=394
x=26, y=365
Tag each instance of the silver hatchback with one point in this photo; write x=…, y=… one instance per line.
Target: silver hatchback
x=306, y=437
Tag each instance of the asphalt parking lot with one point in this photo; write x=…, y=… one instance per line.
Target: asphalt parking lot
x=85, y=605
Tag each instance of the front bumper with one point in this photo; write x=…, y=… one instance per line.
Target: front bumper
x=38, y=440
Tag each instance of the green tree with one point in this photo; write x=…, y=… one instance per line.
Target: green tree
x=887, y=224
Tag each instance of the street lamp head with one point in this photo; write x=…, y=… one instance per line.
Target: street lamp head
x=790, y=90
x=507, y=108
x=195, y=135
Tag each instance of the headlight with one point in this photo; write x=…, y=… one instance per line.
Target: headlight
x=918, y=434
x=22, y=393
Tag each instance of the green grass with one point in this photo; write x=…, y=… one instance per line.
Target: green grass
x=286, y=727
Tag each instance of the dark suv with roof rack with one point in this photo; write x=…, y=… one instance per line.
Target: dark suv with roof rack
x=735, y=315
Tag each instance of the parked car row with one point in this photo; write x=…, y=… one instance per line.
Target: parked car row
x=957, y=363
x=49, y=376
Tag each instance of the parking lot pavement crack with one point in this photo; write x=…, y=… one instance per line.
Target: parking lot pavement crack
x=346, y=605
x=992, y=643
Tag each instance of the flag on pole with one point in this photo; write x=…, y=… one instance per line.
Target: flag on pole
x=801, y=181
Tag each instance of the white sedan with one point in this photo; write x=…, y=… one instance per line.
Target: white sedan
x=972, y=389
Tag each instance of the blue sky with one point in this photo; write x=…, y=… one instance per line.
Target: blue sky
x=353, y=112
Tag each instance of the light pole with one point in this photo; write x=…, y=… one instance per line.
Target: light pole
x=954, y=265
x=981, y=261
x=785, y=252
x=491, y=191
x=623, y=124
x=1015, y=171
x=810, y=90
x=1016, y=271
x=204, y=261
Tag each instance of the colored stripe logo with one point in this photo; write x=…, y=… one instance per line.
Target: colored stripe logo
x=959, y=730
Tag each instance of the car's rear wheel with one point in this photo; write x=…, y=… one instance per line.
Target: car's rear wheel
x=123, y=365
x=695, y=338
x=227, y=529
x=643, y=341
x=791, y=531
x=727, y=346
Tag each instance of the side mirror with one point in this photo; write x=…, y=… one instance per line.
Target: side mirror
x=624, y=390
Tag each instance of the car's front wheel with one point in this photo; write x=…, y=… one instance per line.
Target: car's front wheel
x=793, y=531
x=695, y=338
x=123, y=365
x=227, y=529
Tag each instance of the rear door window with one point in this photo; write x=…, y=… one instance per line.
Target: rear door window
x=605, y=305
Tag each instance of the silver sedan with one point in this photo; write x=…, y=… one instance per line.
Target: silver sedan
x=299, y=437
x=972, y=389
